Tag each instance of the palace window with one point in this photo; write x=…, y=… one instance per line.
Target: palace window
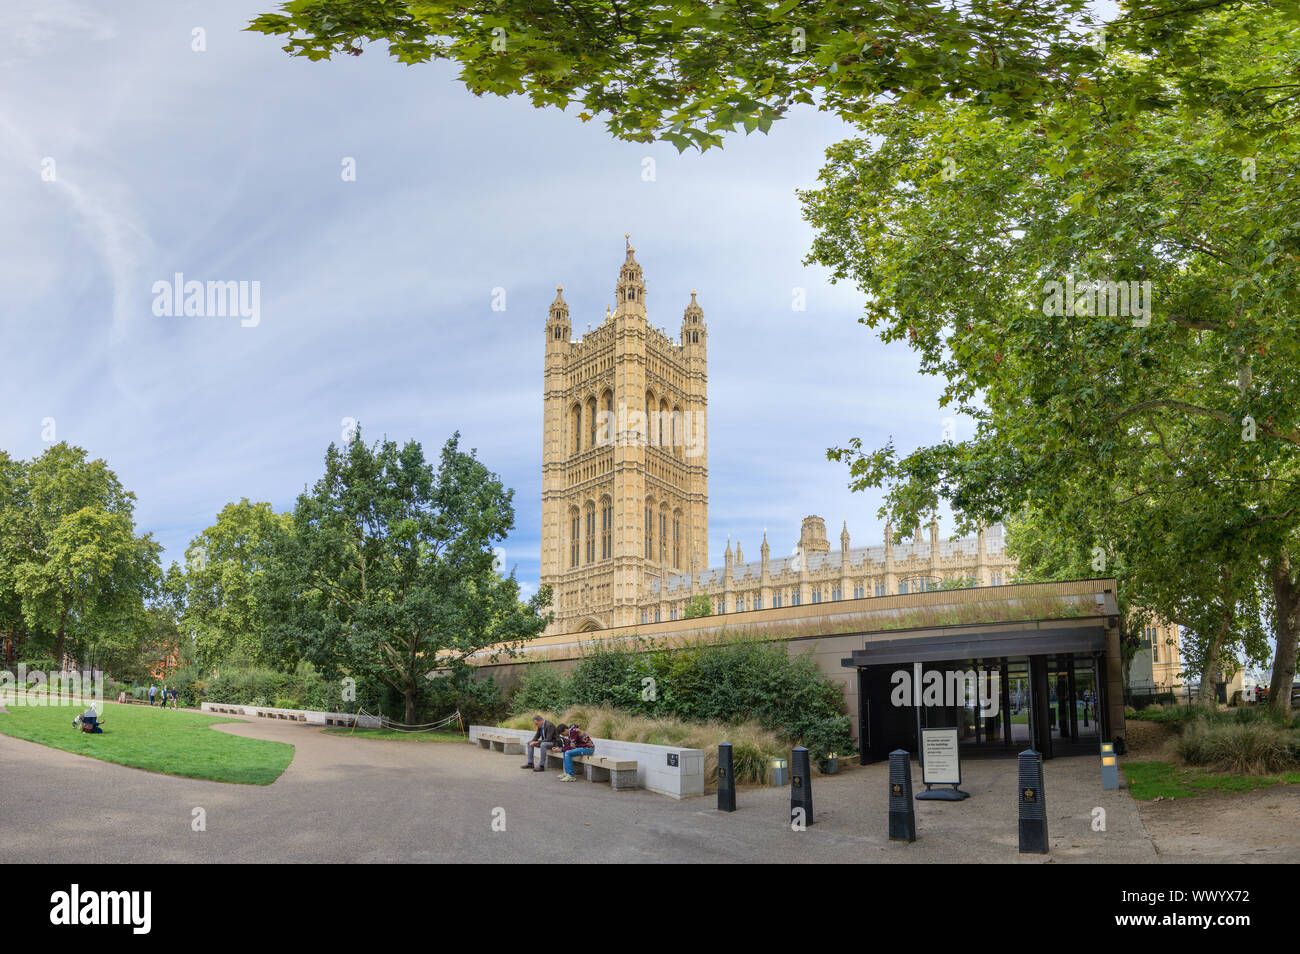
x=817, y=594
x=645, y=617
x=880, y=589
x=796, y=598
x=722, y=607
x=591, y=533
x=656, y=614
x=859, y=591
x=606, y=529
x=663, y=535
x=672, y=612
x=776, y=601
x=677, y=540
x=649, y=531
x=902, y=588
x=575, y=527
x=758, y=602
x=837, y=593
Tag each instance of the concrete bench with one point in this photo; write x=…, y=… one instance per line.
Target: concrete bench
x=508, y=744
x=344, y=721
x=620, y=773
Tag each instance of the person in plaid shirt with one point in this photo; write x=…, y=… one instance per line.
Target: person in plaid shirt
x=579, y=743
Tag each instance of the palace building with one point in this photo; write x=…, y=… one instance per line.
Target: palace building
x=625, y=549
x=625, y=490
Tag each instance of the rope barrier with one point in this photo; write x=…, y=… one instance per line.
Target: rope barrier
x=388, y=723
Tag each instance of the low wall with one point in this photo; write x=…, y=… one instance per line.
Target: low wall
x=653, y=771
x=310, y=716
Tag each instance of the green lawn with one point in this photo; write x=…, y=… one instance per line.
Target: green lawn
x=169, y=741
x=1150, y=780
x=396, y=735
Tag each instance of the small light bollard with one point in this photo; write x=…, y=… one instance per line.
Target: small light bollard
x=780, y=772
x=902, y=813
x=726, y=779
x=1033, y=809
x=1109, y=766
x=801, y=802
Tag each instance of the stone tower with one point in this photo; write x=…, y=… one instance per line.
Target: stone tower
x=624, y=457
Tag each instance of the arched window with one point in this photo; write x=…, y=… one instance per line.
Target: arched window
x=575, y=416
x=606, y=528
x=649, y=529
x=679, y=436
x=677, y=538
x=665, y=424
x=591, y=422
x=663, y=533
x=575, y=529
x=651, y=434
x=591, y=532
x=607, y=405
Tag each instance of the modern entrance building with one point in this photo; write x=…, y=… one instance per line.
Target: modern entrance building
x=1052, y=684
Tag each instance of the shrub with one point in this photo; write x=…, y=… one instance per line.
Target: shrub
x=727, y=683
x=1246, y=747
x=753, y=747
x=542, y=688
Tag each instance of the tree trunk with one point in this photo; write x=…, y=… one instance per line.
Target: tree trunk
x=410, y=694
x=1286, y=594
x=1205, y=696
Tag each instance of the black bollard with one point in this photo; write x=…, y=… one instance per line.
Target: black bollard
x=800, y=786
x=902, y=813
x=726, y=779
x=1033, y=808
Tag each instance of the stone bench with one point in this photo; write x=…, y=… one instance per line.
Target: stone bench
x=620, y=773
x=281, y=714
x=508, y=744
x=342, y=720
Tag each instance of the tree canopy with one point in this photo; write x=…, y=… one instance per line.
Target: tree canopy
x=687, y=72
x=387, y=571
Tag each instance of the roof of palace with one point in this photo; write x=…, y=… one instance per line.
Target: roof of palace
x=963, y=547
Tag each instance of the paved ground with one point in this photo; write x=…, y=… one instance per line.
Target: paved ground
x=354, y=800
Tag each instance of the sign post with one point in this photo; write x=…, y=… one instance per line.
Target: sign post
x=940, y=765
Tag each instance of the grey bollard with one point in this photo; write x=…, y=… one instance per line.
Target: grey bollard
x=902, y=813
x=801, y=785
x=1109, y=766
x=726, y=779
x=1033, y=807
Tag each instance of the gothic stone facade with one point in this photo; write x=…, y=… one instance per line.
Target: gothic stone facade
x=625, y=493
x=625, y=490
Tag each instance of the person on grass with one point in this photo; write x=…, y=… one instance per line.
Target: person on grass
x=579, y=744
x=543, y=739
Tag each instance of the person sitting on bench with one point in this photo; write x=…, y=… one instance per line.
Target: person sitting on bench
x=543, y=739
x=579, y=744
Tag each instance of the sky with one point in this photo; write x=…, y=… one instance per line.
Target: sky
x=128, y=156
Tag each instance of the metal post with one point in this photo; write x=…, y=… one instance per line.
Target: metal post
x=726, y=779
x=1109, y=766
x=801, y=801
x=902, y=813
x=1033, y=809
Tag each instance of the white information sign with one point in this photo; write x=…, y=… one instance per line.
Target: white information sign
x=940, y=762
